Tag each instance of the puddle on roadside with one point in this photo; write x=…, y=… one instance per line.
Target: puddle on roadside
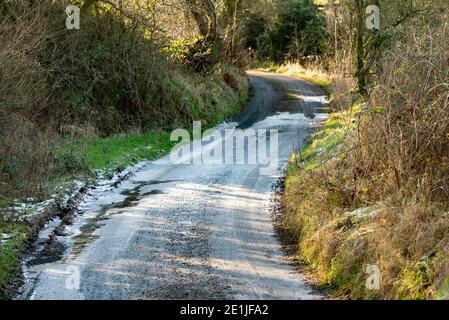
x=133, y=196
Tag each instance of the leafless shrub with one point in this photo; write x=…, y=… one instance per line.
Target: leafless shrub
x=405, y=137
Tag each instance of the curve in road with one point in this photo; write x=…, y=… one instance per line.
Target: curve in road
x=189, y=231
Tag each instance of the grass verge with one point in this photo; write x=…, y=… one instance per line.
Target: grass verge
x=304, y=194
x=313, y=75
x=82, y=159
x=356, y=235
x=11, y=250
x=79, y=161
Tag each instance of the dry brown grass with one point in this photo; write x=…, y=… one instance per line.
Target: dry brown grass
x=395, y=165
x=22, y=93
x=407, y=138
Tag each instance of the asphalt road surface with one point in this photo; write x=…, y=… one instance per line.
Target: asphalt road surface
x=176, y=231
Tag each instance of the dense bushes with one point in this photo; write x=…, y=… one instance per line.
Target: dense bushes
x=299, y=30
x=106, y=78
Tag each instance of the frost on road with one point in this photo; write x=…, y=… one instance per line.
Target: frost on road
x=188, y=231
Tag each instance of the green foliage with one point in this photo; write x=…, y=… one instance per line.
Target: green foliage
x=328, y=140
x=69, y=162
x=195, y=54
x=10, y=253
x=112, y=78
x=299, y=31
x=124, y=150
x=255, y=27
x=178, y=49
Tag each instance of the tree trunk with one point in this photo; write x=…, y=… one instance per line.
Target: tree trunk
x=360, y=48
